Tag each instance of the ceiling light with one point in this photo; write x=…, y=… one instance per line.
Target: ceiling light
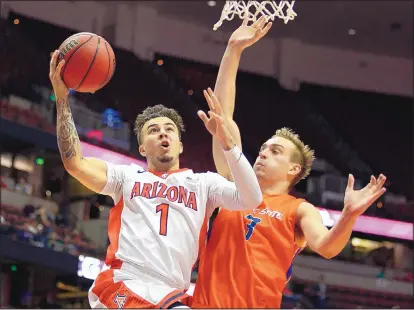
x=351, y=32
x=211, y=3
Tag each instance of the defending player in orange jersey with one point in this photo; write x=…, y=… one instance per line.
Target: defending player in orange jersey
x=154, y=228
x=261, y=243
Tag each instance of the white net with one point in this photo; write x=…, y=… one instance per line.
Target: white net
x=256, y=9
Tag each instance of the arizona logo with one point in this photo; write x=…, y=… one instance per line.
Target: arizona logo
x=120, y=300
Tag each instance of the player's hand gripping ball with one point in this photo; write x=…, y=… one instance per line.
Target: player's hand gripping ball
x=89, y=62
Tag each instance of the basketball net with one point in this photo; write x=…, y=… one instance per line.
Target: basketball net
x=268, y=9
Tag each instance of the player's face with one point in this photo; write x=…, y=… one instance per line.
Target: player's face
x=274, y=161
x=161, y=143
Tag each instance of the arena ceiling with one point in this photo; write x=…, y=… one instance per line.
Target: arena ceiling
x=382, y=27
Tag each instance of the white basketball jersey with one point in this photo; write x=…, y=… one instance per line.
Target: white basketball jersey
x=155, y=224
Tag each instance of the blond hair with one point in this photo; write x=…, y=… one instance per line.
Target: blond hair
x=304, y=155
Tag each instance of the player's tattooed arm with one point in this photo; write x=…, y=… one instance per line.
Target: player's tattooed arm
x=91, y=172
x=67, y=136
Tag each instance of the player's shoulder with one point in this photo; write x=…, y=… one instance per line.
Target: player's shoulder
x=131, y=168
x=136, y=168
x=285, y=203
x=285, y=198
x=209, y=176
x=207, y=173
x=306, y=207
x=190, y=176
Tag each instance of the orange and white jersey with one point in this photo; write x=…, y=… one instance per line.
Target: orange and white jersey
x=155, y=225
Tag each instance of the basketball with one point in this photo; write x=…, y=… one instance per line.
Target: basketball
x=89, y=62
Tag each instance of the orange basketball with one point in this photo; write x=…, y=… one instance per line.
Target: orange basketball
x=89, y=62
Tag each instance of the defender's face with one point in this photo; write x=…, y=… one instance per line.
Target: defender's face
x=160, y=141
x=274, y=160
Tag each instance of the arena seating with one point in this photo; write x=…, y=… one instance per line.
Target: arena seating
x=342, y=297
x=27, y=117
x=394, y=122
x=29, y=229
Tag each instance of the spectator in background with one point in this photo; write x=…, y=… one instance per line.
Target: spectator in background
x=3, y=182
x=55, y=243
x=29, y=210
x=381, y=281
x=54, y=185
x=43, y=217
x=69, y=246
x=31, y=226
x=2, y=219
x=46, y=225
x=51, y=243
x=320, y=290
x=23, y=186
x=7, y=181
x=50, y=218
x=54, y=216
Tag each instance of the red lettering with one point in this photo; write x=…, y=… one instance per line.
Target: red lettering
x=192, y=202
x=154, y=190
x=161, y=190
x=182, y=197
x=161, y=193
x=135, y=190
x=146, y=190
x=172, y=194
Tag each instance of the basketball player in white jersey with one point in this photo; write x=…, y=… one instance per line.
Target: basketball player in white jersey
x=154, y=228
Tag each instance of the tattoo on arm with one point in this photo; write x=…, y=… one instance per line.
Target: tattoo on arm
x=67, y=136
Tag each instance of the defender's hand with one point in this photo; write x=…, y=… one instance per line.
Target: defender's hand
x=59, y=87
x=357, y=202
x=215, y=124
x=245, y=35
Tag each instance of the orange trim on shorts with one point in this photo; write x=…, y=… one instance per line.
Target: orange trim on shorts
x=105, y=277
x=117, y=295
x=114, y=229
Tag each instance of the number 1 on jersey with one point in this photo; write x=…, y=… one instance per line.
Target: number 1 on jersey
x=163, y=208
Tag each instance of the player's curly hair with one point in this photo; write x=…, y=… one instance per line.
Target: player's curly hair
x=157, y=111
x=304, y=156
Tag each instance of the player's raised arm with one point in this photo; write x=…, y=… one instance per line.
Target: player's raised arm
x=91, y=172
x=245, y=192
x=225, y=88
x=329, y=243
